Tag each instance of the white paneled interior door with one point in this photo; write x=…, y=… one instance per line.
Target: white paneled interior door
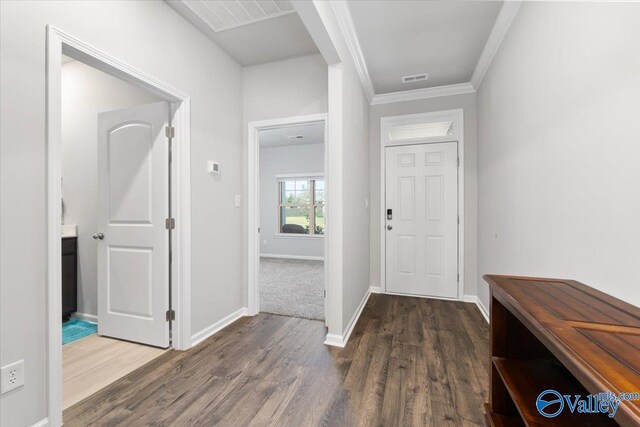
x=133, y=246
x=422, y=219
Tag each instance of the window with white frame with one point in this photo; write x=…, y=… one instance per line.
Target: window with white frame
x=301, y=205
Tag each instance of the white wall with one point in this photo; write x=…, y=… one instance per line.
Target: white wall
x=149, y=36
x=347, y=256
x=355, y=194
x=293, y=87
x=85, y=93
x=468, y=103
x=274, y=161
x=559, y=192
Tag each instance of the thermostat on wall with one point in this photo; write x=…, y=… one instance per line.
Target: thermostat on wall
x=213, y=167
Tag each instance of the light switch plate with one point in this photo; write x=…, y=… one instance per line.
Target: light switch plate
x=12, y=376
x=238, y=200
x=213, y=167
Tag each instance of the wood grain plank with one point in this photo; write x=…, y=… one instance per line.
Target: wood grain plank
x=409, y=362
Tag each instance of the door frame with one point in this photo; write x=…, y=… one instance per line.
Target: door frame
x=457, y=117
x=253, y=202
x=59, y=42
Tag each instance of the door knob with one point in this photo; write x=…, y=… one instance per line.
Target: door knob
x=98, y=236
x=389, y=227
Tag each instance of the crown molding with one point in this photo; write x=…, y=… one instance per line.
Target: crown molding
x=499, y=30
x=430, y=92
x=345, y=22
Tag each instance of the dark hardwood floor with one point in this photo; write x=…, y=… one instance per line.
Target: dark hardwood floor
x=409, y=362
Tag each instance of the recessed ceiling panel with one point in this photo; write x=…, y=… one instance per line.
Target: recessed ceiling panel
x=222, y=15
x=443, y=39
x=251, y=31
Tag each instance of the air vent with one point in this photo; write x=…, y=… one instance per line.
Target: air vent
x=220, y=15
x=415, y=78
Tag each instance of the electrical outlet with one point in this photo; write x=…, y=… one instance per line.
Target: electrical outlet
x=12, y=376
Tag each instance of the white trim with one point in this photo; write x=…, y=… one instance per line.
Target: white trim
x=430, y=92
x=303, y=257
x=375, y=289
x=334, y=340
x=470, y=298
x=310, y=175
x=400, y=294
x=297, y=236
x=345, y=22
x=483, y=309
x=210, y=330
x=253, y=198
x=181, y=211
x=457, y=115
x=333, y=243
x=341, y=340
x=500, y=27
x=57, y=43
x=473, y=299
x=42, y=423
x=85, y=316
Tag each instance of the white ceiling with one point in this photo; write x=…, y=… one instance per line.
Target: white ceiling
x=441, y=38
x=311, y=134
x=249, y=38
x=222, y=15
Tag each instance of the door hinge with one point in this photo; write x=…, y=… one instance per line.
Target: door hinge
x=170, y=132
x=170, y=315
x=170, y=223
x=458, y=161
x=458, y=219
x=325, y=293
x=458, y=280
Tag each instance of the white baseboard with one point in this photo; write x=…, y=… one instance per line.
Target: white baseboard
x=198, y=337
x=42, y=423
x=84, y=316
x=420, y=296
x=470, y=298
x=483, y=309
x=473, y=299
x=334, y=340
x=465, y=298
x=305, y=257
x=341, y=340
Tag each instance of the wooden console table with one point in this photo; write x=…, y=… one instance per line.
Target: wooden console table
x=565, y=336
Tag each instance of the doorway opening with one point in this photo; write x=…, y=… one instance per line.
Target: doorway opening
x=118, y=230
x=114, y=184
x=287, y=217
x=292, y=221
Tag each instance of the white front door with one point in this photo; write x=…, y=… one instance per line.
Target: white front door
x=422, y=219
x=133, y=202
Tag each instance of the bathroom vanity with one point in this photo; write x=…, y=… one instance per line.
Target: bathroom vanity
x=69, y=271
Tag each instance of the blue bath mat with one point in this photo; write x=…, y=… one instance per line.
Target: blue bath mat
x=75, y=329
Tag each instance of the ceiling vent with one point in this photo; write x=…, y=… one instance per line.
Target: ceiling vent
x=415, y=78
x=222, y=15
